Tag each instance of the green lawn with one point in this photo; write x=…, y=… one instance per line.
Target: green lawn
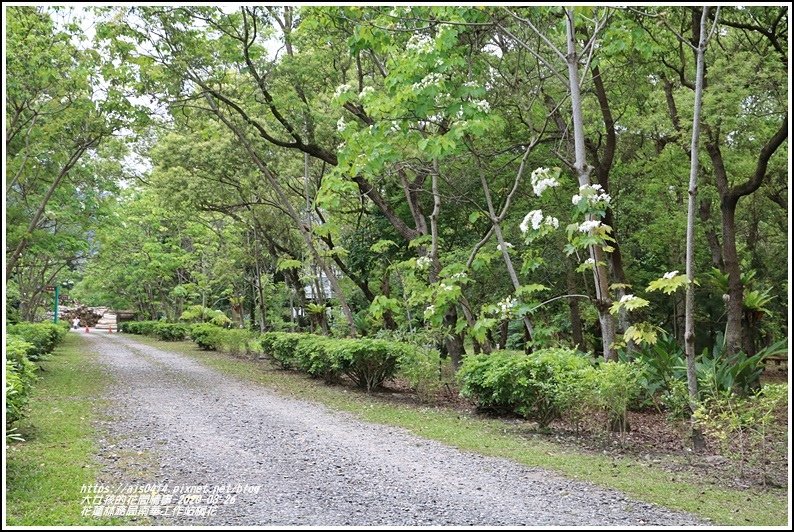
x=45, y=473
x=680, y=491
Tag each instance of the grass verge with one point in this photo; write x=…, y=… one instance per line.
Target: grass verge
x=45, y=473
x=679, y=491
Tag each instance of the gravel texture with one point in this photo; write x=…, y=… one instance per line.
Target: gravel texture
x=174, y=421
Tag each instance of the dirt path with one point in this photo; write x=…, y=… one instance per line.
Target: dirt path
x=177, y=422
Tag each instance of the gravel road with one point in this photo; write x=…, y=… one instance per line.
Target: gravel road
x=175, y=421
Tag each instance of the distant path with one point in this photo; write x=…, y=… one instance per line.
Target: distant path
x=321, y=467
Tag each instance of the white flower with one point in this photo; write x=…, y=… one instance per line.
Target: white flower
x=471, y=84
x=395, y=127
x=340, y=124
x=482, y=105
x=541, y=180
x=341, y=89
x=589, y=225
x=590, y=261
x=434, y=78
x=504, y=307
x=552, y=221
x=506, y=246
x=626, y=298
x=429, y=310
x=365, y=91
x=458, y=276
x=593, y=193
x=670, y=275
x=535, y=217
x=423, y=262
x=419, y=43
x=446, y=287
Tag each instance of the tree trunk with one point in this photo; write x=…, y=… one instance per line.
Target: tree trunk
x=689, y=320
x=577, y=334
x=603, y=300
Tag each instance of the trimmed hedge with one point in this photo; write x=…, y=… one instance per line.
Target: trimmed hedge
x=139, y=327
x=528, y=385
x=169, y=332
x=20, y=376
x=551, y=383
x=42, y=336
x=368, y=362
x=206, y=335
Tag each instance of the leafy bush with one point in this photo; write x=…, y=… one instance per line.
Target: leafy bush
x=170, y=332
x=533, y=386
x=369, y=362
x=20, y=375
x=139, y=327
x=43, y=336
x=206, y=336
x=235, y=341
x=616, y=387
x=718, y=373
x=752, y=429
x=552, y=383
x=282, y=347
x=198, y=313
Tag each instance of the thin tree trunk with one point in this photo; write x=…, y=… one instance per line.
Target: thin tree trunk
x=689, y=319
x=505, y=255
x=600, y=276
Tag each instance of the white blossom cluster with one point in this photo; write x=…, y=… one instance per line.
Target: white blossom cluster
x=507, y=245
x=670, y=275
x=589, y=225
x=590, y=261
x=594, y=194
x=394, y=127
x=341, y=89
x=423, y=262
x=541, y=180
x=505, y=306
x=482, y=105
x=446, y=287
x=536, y=219
x=365, y=91
x=341, y=124
x=433, y=78
x=458, y=276
x=429, y=311
x=419, y=43
x=471, y=84
x=626, y=298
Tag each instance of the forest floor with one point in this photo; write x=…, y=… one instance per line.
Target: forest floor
x=330, y=455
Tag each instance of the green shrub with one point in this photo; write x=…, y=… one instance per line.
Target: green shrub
x=369, y=362
x=170, y=332
x=206, y=336
x=197, y=313
x=616, y=387
x=20, y=375
x=43, y=336
x=140, y=327
x=282, y=347
x=535, y=386
x=235, y=341
x=752, y=429
x=421, y=367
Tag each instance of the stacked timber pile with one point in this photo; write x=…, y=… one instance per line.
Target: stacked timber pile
x=88, y=318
